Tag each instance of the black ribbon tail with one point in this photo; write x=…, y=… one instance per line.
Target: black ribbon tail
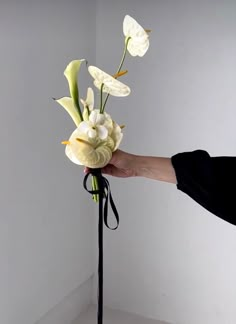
x=100, y=259
x=104, y=192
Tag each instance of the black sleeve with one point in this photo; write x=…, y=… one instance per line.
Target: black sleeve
x=210, y=181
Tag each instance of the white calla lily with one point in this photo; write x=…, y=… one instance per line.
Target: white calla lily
x=68, y=104
x=71, y=74
x=110, y=84
x=88, y=103
x=138, y=40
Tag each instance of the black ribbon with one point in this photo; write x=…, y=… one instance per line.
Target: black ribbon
x=104, y=192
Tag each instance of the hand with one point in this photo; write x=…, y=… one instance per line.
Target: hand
x=121, y=165
x=125, y=165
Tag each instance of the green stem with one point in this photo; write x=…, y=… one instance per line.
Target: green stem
x=119, y=68
x=95, y=187
x=101, y=93
x=79, y=110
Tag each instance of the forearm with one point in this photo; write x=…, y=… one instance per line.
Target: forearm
x=157, y=168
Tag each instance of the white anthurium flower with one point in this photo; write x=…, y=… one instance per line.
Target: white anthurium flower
x=110, y=84
x=108, y=123
x=116, y=135
x=88, y=103
x=139, y=40
x=94, y=127
x=80, y=150
x=68, y=104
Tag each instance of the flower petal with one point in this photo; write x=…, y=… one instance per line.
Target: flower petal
x=116, y=135
x=137, y=48
x=88, y=153
x=92, y=133
x=90, y=98
x=102, y=132
x=84, y=127
x=70, y=154
x=132, y=28
x=111, y=85
x=139, y=41
x=68, y=104
x=71, y=73
x=89, y=102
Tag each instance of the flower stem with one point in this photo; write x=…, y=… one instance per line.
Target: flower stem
x=78, y=109
x=95, y=187
x=101, y=111
x=119, y=68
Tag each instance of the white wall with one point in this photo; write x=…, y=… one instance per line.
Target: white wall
x=170, y=259
x=47, y=213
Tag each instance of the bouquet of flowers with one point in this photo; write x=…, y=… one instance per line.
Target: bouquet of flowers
x=97, y=135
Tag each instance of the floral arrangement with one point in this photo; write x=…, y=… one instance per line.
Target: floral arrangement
x=97, y=135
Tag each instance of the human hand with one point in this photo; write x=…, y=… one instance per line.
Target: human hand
x=121, y=165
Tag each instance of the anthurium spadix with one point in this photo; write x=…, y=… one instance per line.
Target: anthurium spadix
x=108, y=83
x=136, y=35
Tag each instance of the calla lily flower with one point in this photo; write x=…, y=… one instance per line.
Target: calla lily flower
x=89, y=101
x=71, y=104
x=71, y=73
x=94, y=126
x=110, y=84
x=138, y=43
x=68, y=104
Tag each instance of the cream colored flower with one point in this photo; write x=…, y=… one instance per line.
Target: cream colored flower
x=110, y=84
x=68, y=104
x=139, y=42
x=71, y=73
x=116, y=135
x=71, y=104
x=93, y=154
x=94, y=127
x=88, y=103
x=108, y=123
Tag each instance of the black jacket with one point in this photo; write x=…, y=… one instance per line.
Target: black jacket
x=210, y=181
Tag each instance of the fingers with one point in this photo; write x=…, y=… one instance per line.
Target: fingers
x=86, y=170
x=108, y=169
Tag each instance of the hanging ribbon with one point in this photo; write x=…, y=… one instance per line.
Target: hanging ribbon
x=104, y=192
